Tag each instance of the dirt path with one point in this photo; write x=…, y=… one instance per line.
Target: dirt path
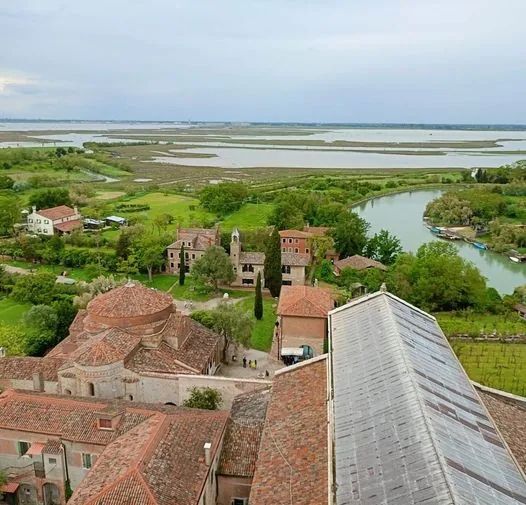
x=208, y=305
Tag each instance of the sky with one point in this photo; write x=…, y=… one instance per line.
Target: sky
x=419, y=61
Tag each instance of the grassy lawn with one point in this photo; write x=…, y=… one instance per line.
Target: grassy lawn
x=191, y=291
x=497, y=365
x=264, y=329
x=250, y=216
x=11, y=312
x=75, y=273
x=473, y=324
x=104, y=169
x=160, y=282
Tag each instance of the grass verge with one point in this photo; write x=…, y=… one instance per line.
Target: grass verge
x=263, y=329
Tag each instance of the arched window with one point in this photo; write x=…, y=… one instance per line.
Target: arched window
x=171, y=403
x=67, y=391
x=91, y=389
x=130, y=397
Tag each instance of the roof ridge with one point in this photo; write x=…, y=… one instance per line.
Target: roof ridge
x=429, y=428
x=301, y=364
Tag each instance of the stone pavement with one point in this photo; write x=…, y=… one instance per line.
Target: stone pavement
x=264, y=362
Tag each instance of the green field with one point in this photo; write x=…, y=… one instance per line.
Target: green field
x=497, y=365
x=78, y=274
x=474, y=324
x=249, y=217
x=193, y=292
x=11, y=312
x=263, y=330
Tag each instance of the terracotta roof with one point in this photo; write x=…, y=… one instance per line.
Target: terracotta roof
x=53, y=446
x=162, y=359
x=304, y=301
x=69, y=418
x=295, y=259
x=254, y=258
x=519, y=307
x=68, y=225
x=55, y=213
x=130, y=300
x=318, y=231
x=199, y=344
x=358, y=263
x=243, y=434
x=201, y=238
x=115, y=345
x=510, y=418
x=293, y=234
x=160, y=462
x=292, y=465
x=23, y=368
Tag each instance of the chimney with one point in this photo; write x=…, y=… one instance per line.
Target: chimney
x=208, y=447
x=38, y=382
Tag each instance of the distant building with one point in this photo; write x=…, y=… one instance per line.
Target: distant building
x=302, y=313
x=57, y=220
x=247, y=265
x=195, y=241
x=295, y=241
x=116, y=221
x=357, y=262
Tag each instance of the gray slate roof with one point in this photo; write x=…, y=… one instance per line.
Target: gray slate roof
x=409, y=426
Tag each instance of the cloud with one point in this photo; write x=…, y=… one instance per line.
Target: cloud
x=281, y=60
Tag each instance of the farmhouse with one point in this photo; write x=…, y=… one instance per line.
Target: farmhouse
x=57, y=220
x=195, y=242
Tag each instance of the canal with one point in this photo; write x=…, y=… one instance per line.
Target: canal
x=402, y=214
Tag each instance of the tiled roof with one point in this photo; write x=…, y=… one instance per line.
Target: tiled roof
x=201, y=238
x=160, y=462
x=293, y=234
x=409, y=427
x=304, y=301
x=510, y=418
x=59, y=212
x=197, y=343
x=115, y=345
x=292, y=465
x=68, y=418
x=68, y=225
x=359, y=263
x=253, y=258
x=23, y=368
x=53, y=446
x=162, y=359
x=520, y=307
x=130, y=300
x=295, y=259
x=318, y=231
x=243, y=434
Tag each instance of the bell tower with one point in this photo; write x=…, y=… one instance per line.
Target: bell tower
x=235, y=249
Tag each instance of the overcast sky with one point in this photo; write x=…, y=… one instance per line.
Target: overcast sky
x=429, y=61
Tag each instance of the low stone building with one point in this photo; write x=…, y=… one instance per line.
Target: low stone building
x=195, y=241
x=56, y=220
x=247, y=265
x=357, y=262
x=302, y=313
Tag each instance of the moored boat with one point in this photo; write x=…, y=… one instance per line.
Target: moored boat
x=480, y=245
x=514, y=259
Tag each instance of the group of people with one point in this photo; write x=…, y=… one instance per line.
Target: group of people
x=251, y=363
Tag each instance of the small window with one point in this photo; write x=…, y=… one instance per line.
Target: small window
x=290, y=241
x=307, y=250
x=239, y=501
x=52, y=461
x=86, y=460
x=248, y=281
x=285, y=269
x=91, y=389
x=171, y=255
x=186, y=255
x=296, y=240
x=39, y=220
x=290, y=249
x=130, y=397
x=23, y=447
x=29, y=220
x=193, y=256
x=284, y=240
x=45, y=230
x=284, y=249
x=296, y=250
x=172, y=265
x=105, y=424
x=46, y=221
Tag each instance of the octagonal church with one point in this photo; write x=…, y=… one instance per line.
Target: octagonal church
x=129, y=343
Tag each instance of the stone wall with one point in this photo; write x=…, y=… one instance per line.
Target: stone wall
x=232, y=487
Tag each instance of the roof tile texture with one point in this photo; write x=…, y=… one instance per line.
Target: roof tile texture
x=292, y=465
x=114, y=346
x=69, y=225
x=304, y=301
x=359, y=263
x=55, y=213
x=23, y=368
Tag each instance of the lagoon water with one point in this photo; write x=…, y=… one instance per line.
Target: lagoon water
x=402, y=214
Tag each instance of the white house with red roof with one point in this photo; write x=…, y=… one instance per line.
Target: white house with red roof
x=57, y=220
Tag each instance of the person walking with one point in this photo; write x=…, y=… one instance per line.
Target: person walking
x=249, y=363
x=244, y=361
x=255, y=363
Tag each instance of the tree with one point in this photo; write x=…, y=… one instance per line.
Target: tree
x=213, y=267
x=150, y=255
x=437, y=278
x=272, y=266
x=53, y=250
x=223, y=198
x=161, y=221
x=234, y=324
x=286, y=216
x=13, y=338
x=50, y=197
x=66, y=313
x=258, y=301
x=41, y=324
x=383, y=247
x=31, y=247
x=203, y=398
x=9, y=214
x=350, y=234
x=182, y=266
x=36, y=289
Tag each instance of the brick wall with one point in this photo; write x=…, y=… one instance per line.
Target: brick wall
x=298, y=331
x=232, y=487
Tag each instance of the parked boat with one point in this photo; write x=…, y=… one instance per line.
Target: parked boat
x=434, y=229
x=514, y=259
x=447, y=236
x=479, y=245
